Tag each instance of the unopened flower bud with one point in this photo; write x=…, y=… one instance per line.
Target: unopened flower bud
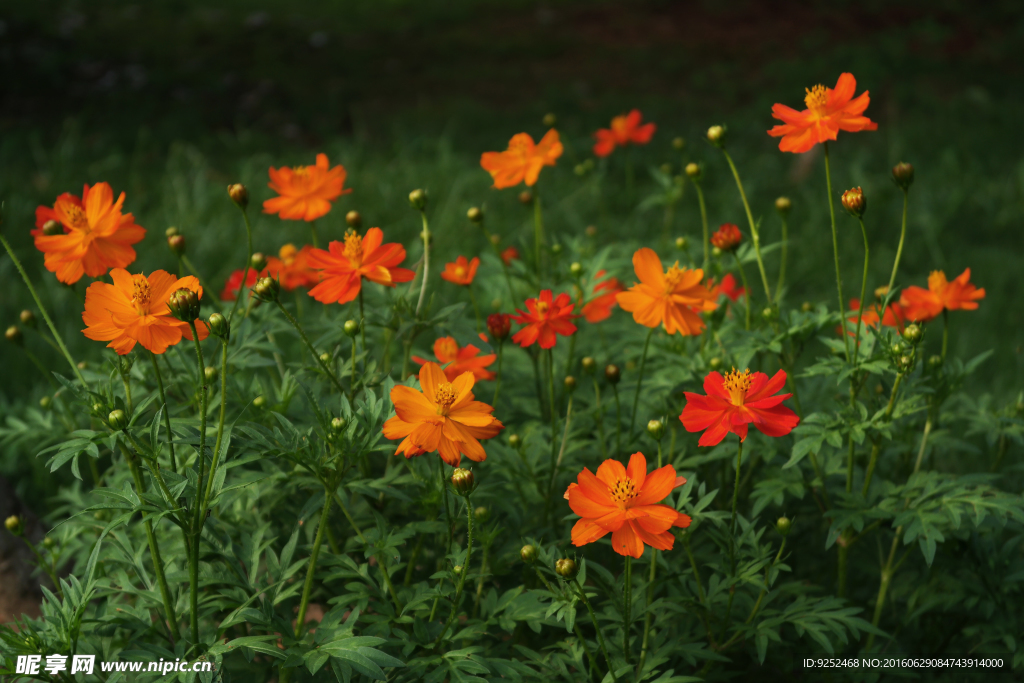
x=45, y=402
x=499, y=325
x=482, y=514
x=82, y=365
x=52, y=227
x=457, y=569
x=855, y=202
x=325, y=358
x=656, y=428
x=338, y=425
x=184, y=305
x=259, y=402
x=782, y=205
x=549, y=119
x=783, y=525
x=525, y=197
x=528, y=554
x=353, y=219
x=589, y=365
x=49, y=542
x=570, y=384
x=266, y=289
x=693, y=171
x=881, y=292
x=117, y=420
x=580, y=170
x=913, y=333
x=171, y=232
x=905, y=363
x=666, y=169
x=28, y=318
x=716, y=252
x=515, y=441
x=556, y=249
x=210, y=372
x=258, y=261
x=351, y=327
x=591, y=231
x=463, y=481
x=727, y=237
x=239, y=195
x=496, y=303
x=612, y=373
x=715, y=363
x=935, y=361
x=13, y=335
x=13, y=524
x=566, y=568
x=97, y=408
x=807, y=307
x=418, y=199
x=475, y=214
x=769, y=313
x=716, y=136
x=680, y=243
x=903, y=175
x=575, y=269
x=219, y=325
x=678, y=144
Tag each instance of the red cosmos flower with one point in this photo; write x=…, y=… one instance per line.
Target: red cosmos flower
x=921, y=305
x=461, y=272
x=305, y=192
x=460, y=359
x=291, y=268
x=499, y=325
x=510, y=254
x=624, y=130
x=727, y=237
x=622, y=500
x=735, y=401
x=344, y=266
x=523, y=160
x=97, y=236
x=828, y=112
x=544, y=319
x=600, y=307
x=234, y=283
x=730, y=289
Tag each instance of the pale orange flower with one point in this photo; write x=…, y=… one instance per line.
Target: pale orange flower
x=344, y=266
x=461, y=272
x=523, y=160
x=921, y=305
x=828, y=112
x=457, y=360
x=305, y=193
x=670, y=298
x=600, y=307
x=625, y=129
x=134, y=310
x=291, y=267
x=97, y=236
x=441, y=417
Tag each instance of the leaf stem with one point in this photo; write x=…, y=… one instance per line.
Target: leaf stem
x=754, y=233
x=899, y=249
x=835, y=252
x=167, y=415
x=463, y=573
x=309, y=345
x=597, y=627
x=640, y=380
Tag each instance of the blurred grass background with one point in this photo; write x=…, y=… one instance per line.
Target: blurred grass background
x=170, y=101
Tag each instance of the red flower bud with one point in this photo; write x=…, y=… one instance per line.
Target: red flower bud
x=727, y=237
x=499, y=325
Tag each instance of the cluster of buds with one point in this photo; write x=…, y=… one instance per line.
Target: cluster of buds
x=584, y=167
x=463, y=481
x=184, y=305
x=266, y=289
x=499, y=325
x=855, y=202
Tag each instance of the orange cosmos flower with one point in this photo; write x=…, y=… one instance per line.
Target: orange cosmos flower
x=623, y=501
x=727, y=237
x=343, y=267
x=457, y=360
x=234, y=283
x=544, y=319
x=600, y=307
x=510, y=254
x=894, y=316
x=666, y=298
x=291, y=267
x=461, y=272
x=134, y=309
x=442, y=417
x=735, y=401
x=828, y=112
x=305, y=192
x=921, y=305
x=624, y=130
x=97, y=236
x=523, y=160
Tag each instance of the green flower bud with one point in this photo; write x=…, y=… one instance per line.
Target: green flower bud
x=210, y=372
x=475, y=215
x=589, y=365
x=656, y=428
x=566, y=568
x=239, y=195
x=525, y=197
x=482, y=514
x=463, y=481
x=556, y=249
x=528, y=553
x=693, y=171
x=418, y=199
x=259, y=402
x=325, y=358
x=52, y=227
x=219, y=325
x=176, y=243
x=13, y=524
x=515, y=441
x=715, y=363
x=570, y=384
x=117, y=420
x=680, y=243
x=666, y=169
x=351, y=328
x=353, y=219
x=806, y=307
x=184, y=305
x=49, y=542
x=44, y=402
x=258, y=261
x=903, y=175
x=612, y=373
x=171, y=231
x=28, y=318
x=267, y=289
x=575, y=269
x=913, y=333
x=783, y=525
x=716, y=136
x=549, y=120
x=678, y=144
x=783, y=205
x=13, y=335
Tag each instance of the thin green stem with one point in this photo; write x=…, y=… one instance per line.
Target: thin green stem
x=754, y=233
x=348, y=516
x=309, y=345
x=549, y=356
x=835, y=252
x=627, y=606
x=412, y=559
x=463, y=573
x=945, y=332
x=618, y=420
x=426, y=262
x=538, y=230
x=352, y=382
x=199, y=513
x=476, y=309
x=703, y=225
x=640, y=379
x=480, y=580
x=314, y=234
x=873, y=460
x=447, y=510
x=599, y=415
x=382, y=563
x=736, y=488
x=899, y=249
x=307, y=586
x=650, y=599
x=497, y=376
x=782, y=258
x=561, y=451
x=42, y=310
x=167, y=415
x=597, y=627
x=220, y=421
x=746, y=288
x=362, y=323
x=248, y=265
x=42, y=368
x=863, y=292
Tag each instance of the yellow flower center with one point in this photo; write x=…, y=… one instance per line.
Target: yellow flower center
x=816, y=99
x=543, y=307
x=445, y=397
x=737, y=383
x=287, y=254
x=140, y=295
x=301, y=172
x=76, y=218
x=624, y=490
x=354, y=247
x=673, y=276
x=460, y=272
x=937, y=281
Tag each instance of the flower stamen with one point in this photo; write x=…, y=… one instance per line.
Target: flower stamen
x=816, y=98
x=140, y=295
x=445, y=397
x=353, y=247
x=624, y=491
x=737, y=384
x=673, y=276
x=76, y=218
